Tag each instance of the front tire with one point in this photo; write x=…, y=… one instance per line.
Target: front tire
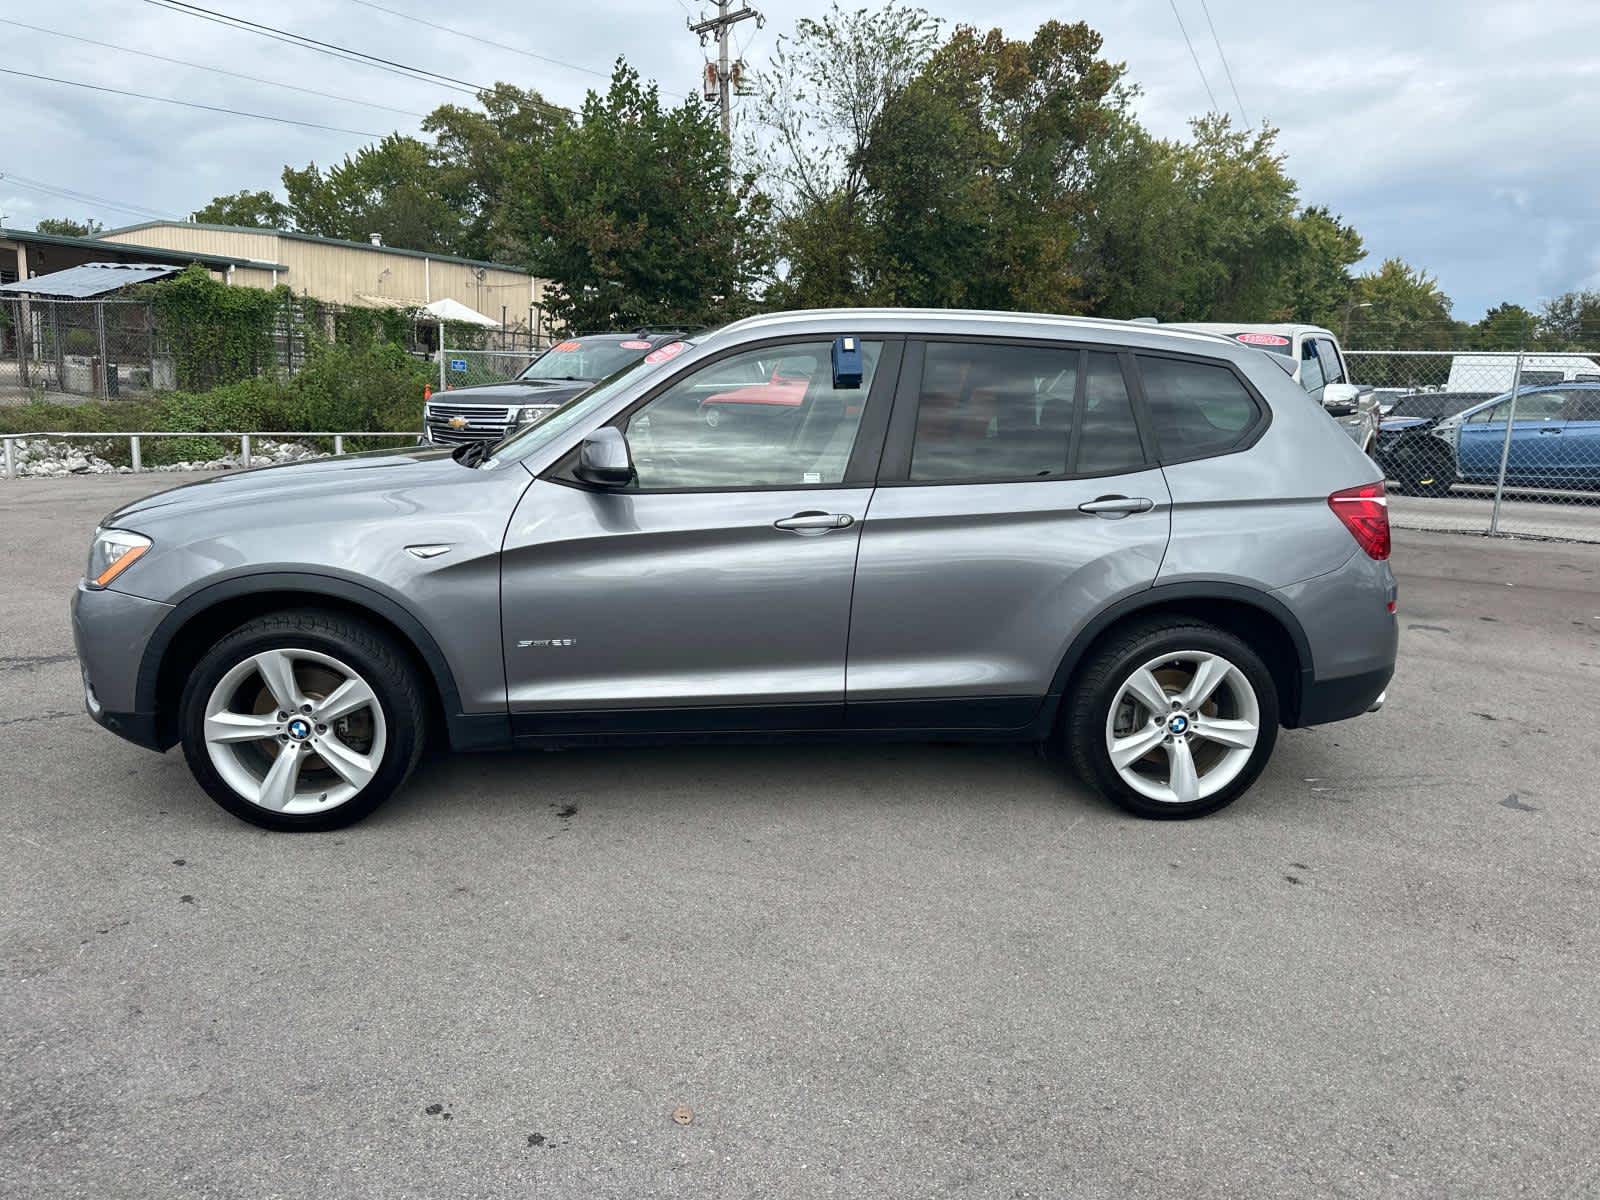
x=1172, y=719
x=303, y=720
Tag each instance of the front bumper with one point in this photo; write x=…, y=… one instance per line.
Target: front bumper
x=110, y=630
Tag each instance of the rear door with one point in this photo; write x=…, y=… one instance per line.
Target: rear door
x=1015, y=501
x=1581, y=437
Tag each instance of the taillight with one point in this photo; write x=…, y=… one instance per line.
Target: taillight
x=1365, y=513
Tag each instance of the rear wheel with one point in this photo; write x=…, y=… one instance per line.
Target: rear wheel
x=1173, y=719
x=302, y=720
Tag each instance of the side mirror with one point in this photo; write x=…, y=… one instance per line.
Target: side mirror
x=604, y=459
x=1340, y=399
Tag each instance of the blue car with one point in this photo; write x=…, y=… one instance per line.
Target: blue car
x=1555, y=438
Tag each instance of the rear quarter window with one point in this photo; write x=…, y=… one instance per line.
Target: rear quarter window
x=1197, y=408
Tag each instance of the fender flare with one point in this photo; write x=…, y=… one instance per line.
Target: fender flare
x=1164, y=593
x=311, y=585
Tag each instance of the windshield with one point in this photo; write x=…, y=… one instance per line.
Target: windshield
x=586, y=360
x=528, y=439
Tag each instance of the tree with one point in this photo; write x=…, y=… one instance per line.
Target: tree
x=1401, y=306
x=67, y=227
x=1571, y=321
x=635, y=215
x=253, y=210
x=816, y=107
x=978, y=169
x=389, y=189
x=482, y=158
x=1504, y=327
x=1206, y=230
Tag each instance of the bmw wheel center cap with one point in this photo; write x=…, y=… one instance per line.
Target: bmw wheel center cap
x=1178, y=724
x=299, y=729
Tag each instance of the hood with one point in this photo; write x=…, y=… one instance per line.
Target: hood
x=1397, y=424
x=376, y=470
x=516, y=391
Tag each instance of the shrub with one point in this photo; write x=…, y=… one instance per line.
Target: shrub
x=376, y=386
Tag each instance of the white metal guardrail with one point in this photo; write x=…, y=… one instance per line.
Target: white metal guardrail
x=135, y=440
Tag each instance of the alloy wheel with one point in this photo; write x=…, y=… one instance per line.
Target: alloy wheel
x=1183, y=726
x=294, y=731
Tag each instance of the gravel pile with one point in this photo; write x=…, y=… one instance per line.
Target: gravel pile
x=42, y=457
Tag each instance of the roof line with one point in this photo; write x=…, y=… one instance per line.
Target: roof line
x=1054, y=320
x=296, y=235
x=94, y=243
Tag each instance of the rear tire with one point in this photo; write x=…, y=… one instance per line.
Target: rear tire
x=1191, y=709
x=303, y=720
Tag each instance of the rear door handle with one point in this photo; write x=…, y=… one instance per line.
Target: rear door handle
x=1117, y=506
x=810, y=524
x=1549, y=431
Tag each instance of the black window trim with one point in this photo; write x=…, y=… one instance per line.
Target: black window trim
x=1246, y=437
x=895, y=467
x=860, y=468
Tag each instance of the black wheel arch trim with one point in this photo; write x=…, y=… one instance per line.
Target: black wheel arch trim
x=1161, y=594
x=467, y=730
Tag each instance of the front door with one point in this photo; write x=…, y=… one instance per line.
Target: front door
x=1015, y=501
x=1533, y=454
x=713, y=593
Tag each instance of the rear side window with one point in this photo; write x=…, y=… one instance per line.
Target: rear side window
x=1197, y=408
x=1004, y=412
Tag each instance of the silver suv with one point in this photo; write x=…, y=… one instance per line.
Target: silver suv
x=1147, y=547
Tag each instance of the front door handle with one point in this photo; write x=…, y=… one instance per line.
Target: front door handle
x=1117, y=506
x=1549, y=431
x=811, y=523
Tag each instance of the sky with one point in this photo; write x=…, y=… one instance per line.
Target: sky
x=1463, y=137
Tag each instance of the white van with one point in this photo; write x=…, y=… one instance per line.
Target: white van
x=1493, y=373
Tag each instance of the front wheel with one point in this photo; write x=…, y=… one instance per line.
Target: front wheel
x=302, y=720
x=1173, y=719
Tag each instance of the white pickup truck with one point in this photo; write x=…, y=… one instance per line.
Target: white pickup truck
x=1312, y=357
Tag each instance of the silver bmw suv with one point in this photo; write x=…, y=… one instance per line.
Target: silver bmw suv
x=1144, y=546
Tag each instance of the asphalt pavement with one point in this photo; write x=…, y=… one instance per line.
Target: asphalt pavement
x=875, y=971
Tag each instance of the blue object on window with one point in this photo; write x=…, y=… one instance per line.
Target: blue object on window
x=846, y=362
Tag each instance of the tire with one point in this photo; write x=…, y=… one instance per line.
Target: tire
x=1243, y=695
x=1425, y=473
x=346, y=764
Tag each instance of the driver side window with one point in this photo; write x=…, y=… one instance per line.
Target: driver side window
x=769, y=417
x=1311, y=375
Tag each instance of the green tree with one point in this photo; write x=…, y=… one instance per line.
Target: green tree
x=254, y=210
x=1401, y=306
x=481, y=159
x=1571, y=321
x=1505, y=327
x=816, y=107
x=635, y=215
x=389, y=189
x=67, y=227
x=978, y=169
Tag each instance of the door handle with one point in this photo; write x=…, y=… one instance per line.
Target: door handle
x=812, y=523
x=1549, y=431
x=1117, y=506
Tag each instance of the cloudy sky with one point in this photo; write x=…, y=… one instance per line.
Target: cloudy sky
x=1462, y=136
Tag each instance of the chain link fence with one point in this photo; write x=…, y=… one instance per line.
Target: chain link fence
x=104, y=348
x=468, y=368
x=1489, y=442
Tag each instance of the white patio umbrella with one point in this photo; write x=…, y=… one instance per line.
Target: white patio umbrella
x=454, y=311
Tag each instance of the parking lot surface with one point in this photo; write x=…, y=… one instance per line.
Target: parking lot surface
x=822, y=971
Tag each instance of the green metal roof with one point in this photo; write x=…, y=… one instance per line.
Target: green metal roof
x=311, y=237
x=101, y=247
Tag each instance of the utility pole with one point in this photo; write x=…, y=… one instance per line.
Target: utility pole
x=718, y=27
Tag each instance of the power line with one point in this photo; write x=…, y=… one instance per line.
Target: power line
x=333, y=50
x=416, y=74
x=38, y=185
x=462, y=33
x=203, y=67
x=1204, y=82
x=1226, y=70
x=232, y=112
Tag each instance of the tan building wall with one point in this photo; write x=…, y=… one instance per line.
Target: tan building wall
x=347, y=273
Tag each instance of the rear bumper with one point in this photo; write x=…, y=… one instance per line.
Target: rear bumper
x=1325, y=700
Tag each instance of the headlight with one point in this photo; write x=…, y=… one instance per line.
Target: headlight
x=111, y=553
x=527, y=416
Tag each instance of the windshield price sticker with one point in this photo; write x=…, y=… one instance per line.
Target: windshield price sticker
x=1261, y=339
x=670, y=351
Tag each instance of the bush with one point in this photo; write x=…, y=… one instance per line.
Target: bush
x=377, y=386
